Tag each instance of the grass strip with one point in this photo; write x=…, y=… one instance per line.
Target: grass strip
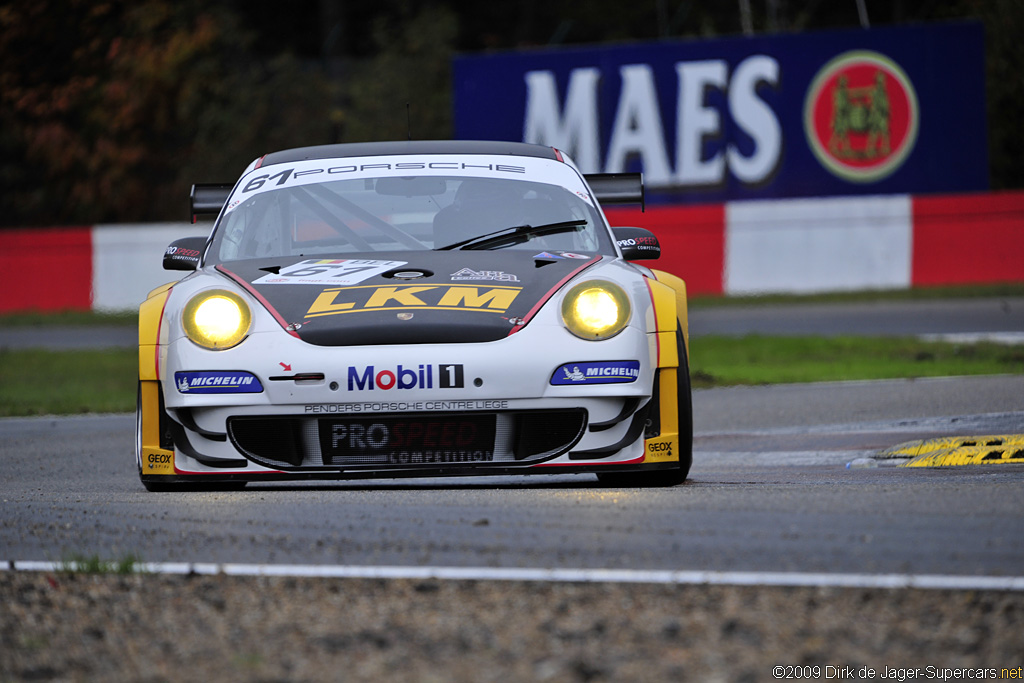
x=24, y=319
x=39, y=382
x=93, y=564
x=754, y=359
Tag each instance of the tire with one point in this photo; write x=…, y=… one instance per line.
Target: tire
x=675, y=475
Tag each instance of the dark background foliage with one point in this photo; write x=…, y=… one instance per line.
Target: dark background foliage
x=110, y=110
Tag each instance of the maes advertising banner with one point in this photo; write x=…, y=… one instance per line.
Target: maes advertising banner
x=877, y=111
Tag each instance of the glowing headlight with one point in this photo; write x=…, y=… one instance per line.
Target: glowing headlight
x=595, y=310
x=216, y=319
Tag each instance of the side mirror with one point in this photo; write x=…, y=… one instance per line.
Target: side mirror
x=184, y=253
x=637, y=244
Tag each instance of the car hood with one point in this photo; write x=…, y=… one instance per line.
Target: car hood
x=407, y=297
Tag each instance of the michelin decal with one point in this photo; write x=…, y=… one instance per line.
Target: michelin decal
x=217, y=382
x=597, y=372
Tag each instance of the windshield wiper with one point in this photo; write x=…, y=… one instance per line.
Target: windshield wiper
x=514, y=235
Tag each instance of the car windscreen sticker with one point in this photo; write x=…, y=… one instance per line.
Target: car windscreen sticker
x=340, y=272
x=597, y=372
x=217, y=382
x=315, y=171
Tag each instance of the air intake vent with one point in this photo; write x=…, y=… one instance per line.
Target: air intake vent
x=416, y=440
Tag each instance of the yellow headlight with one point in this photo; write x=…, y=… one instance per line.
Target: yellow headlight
x=216, y=319
x=596, y=309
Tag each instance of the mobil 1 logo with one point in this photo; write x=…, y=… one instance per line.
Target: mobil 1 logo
x=423, y=376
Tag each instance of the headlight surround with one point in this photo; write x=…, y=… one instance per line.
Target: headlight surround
x=216, y=319
x=595, y=309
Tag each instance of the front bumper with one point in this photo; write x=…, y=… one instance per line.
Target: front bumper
x=279, y=432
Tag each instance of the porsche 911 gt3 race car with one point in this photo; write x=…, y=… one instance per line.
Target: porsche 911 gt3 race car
x=406, y=309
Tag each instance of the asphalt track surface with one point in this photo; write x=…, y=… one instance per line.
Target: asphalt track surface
x=981, y=316
x=820, y=567
x=770, y=489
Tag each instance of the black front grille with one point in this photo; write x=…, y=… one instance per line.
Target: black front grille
x=382, y=441
x=653, y=427
x=277, y=438
x=540, y=433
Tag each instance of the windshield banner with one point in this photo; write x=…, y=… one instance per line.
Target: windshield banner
x=475, y=166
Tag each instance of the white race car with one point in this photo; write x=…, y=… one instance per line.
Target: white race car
x=411, y=309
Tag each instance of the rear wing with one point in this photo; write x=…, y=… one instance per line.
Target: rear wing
x=609, y=188
x=617, y=188
x=208, y=199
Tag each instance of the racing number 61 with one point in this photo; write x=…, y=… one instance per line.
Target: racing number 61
x=258, y=182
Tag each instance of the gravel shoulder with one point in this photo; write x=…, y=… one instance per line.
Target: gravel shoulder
x=77, y=627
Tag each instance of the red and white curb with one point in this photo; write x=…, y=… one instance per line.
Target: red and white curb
x=821, y=244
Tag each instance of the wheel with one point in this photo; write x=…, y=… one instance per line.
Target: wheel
x=676, y=475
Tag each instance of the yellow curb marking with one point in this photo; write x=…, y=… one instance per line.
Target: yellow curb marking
x=960, y=450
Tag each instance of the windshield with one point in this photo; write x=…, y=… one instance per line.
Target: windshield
x=395, y=213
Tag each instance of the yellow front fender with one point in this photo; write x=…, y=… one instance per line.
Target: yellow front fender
x=679, y=286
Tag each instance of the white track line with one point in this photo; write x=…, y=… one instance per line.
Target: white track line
x=923, y=581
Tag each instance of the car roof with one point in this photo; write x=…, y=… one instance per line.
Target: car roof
x=365, y=149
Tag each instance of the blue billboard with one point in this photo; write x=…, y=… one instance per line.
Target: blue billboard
x=877, y=111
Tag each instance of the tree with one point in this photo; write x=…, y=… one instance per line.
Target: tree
x=111, y=109
x=154, y=95
x=405, y=88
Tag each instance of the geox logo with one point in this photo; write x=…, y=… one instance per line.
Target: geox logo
x=337, y=300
